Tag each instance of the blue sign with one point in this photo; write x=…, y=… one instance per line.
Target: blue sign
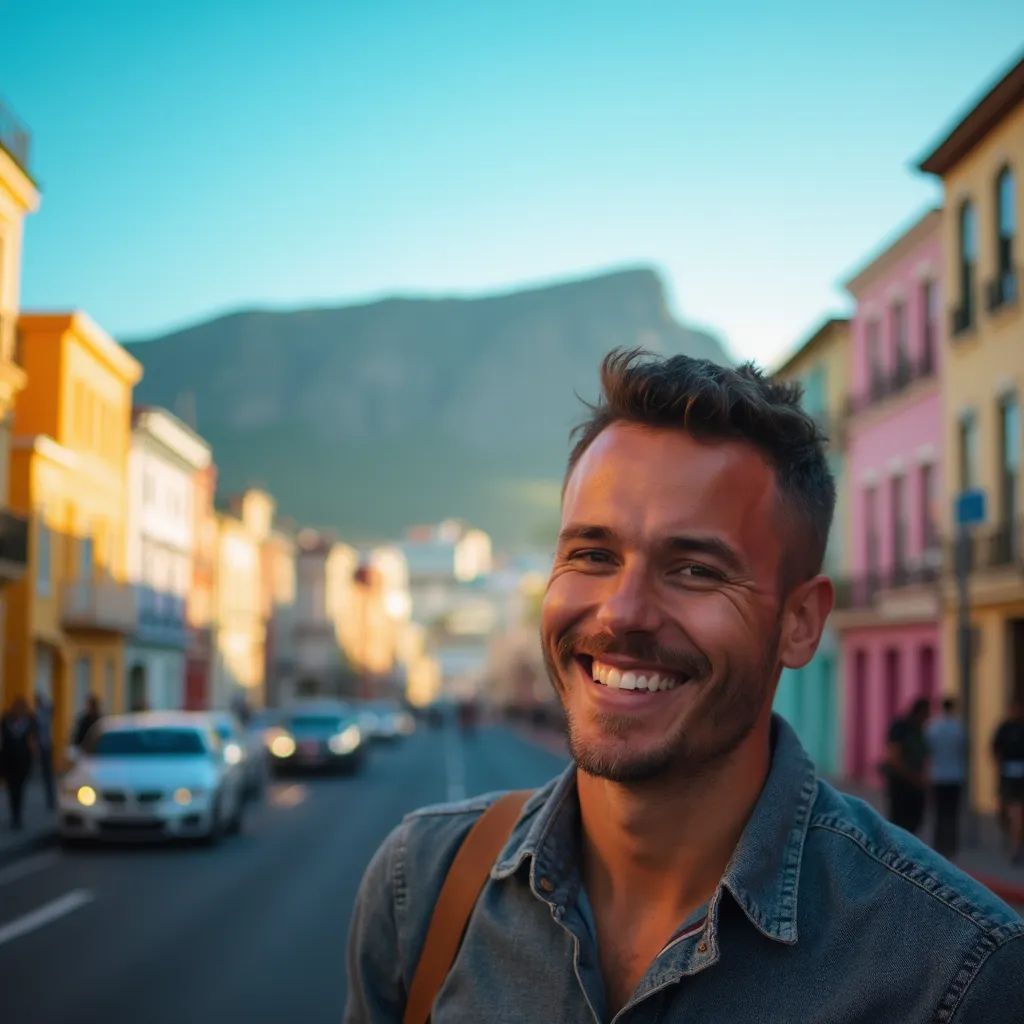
x=969, y=507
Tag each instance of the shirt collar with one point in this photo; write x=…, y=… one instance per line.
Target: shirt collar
x=763, y=874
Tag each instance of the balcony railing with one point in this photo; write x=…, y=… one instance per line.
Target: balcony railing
x=1002, y=290
x=860, y=592
x=13, y=546
x=99, y=606
x=885, y=385
x=14, y=136
x=161, y=618
x=997, y=547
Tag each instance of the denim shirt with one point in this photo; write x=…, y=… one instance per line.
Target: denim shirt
x=825, y=913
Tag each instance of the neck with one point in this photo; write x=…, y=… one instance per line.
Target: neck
x=670, y=838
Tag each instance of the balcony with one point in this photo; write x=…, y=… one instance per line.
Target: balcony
x=884, y=385
x=161, y=619
x=99, y=606
x=859, y=593
x=13, y=546
x=1003, y=290
x=14, y=137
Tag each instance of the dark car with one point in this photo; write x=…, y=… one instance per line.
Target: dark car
x=317, y=734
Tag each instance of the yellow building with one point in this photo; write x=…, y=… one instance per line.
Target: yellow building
x=18, y=197
x=981, y=164
x=68, y=617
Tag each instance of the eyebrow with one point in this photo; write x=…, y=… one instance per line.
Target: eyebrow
x=689, y=544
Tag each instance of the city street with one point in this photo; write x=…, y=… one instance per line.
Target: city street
x=251, y=930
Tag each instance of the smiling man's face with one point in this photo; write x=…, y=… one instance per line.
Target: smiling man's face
x=661, y=621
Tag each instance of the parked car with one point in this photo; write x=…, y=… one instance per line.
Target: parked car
x=156, y=775
x=385, y=720
x=317, y=734
x=244, y=749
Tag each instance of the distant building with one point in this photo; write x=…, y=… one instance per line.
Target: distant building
x=810, y=697
x=18, y=197
x=889, y=605
x=200, y=604
x=280, y=610
x=981, y=165
x=164, y=464
x=68, y=618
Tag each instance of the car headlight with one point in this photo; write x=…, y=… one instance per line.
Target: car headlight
x=85, y=795
x=345, y=741
x=232, y=753
x=282, y=745
x=183, y=796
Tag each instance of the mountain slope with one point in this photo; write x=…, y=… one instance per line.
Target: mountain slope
x=369, y=417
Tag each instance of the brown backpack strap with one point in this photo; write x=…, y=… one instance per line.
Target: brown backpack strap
x=461, y=889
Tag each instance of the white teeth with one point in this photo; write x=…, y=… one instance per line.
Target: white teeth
x=614, y=679
x=641, y=682
x=628, y=681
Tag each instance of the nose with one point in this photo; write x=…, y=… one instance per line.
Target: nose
x=631, y=604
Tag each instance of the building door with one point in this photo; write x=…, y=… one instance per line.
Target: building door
x=892, y=684
x=138, y=697
x=859, y=733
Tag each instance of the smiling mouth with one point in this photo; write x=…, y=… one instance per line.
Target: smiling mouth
x=636, y=680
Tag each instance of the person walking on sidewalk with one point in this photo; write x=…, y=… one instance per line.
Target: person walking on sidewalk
x=17, y=730
x=690, y=863
x=86, y=720
x=904, y=767
x=1008, y=750
x=946, y=741
x=44, y=744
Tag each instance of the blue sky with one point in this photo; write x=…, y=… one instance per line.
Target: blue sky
x=197, y=157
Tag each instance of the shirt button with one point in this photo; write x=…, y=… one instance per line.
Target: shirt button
x=547, y=885
x=702, y=948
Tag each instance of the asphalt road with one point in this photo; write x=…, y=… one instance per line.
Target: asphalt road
x=252, y=930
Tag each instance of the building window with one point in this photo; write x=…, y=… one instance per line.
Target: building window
x=109, y=686
x=44, y=557
x=898, y=332
x=871, y=535
x=929, y=528
x=1009, y=478
x=929, y=325
x=898, y=525
x=83, y=682
x=968, y=452
x=967, y=254
x=876, y=370
x=1003, y=289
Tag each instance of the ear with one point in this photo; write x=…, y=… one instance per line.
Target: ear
x=807, y=607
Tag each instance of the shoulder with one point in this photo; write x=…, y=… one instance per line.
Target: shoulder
x=848, y=838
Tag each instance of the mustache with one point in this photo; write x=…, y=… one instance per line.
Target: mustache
x=641, y=646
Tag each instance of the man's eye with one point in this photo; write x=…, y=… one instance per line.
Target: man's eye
x=590, y=556
x=700, y=572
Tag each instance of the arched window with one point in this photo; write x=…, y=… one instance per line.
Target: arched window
x=1004, y=287
x=967, y=255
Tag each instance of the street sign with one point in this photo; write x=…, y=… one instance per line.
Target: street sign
x=969, y=507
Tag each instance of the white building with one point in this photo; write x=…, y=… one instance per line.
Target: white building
x=162, y=463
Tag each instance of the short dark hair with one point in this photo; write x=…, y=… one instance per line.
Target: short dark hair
x=949, y=705
x=716, y=402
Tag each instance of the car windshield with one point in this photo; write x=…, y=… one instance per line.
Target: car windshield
x=155, y=742
x=301, y=722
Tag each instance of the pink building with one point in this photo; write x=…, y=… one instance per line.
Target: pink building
x=889, y=608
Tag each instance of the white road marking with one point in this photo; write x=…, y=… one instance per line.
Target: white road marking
x=28, y=865
x=45, y=914
x=454, y=764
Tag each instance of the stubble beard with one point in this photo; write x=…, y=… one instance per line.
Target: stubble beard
x=720, y=720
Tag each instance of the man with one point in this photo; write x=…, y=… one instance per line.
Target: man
x=906, y=759
x=946, y=741
x=89, y=716
x=17, y=741
x=1008, y=751
x=689, y=865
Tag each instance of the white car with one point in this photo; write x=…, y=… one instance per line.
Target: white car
x=152, y=775
x=244, y=749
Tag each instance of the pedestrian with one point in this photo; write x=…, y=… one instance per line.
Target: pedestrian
x=689, y=863
x=946, y=741
x=1008, y=750
x=89, y=716
x=44, y=744
x=904, y=767
x=17, y=732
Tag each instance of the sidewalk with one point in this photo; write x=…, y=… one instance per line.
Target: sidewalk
x=984, y=860
x=40, y=824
